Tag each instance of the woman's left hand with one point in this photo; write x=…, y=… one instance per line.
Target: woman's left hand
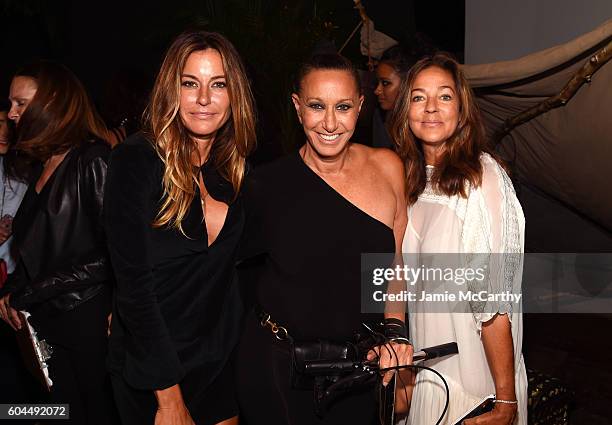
x=502, y=414
x=8, y=313
x=5, y=230
x=390, y=355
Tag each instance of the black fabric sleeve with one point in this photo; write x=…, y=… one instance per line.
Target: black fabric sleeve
x=151, y=360
x=16, y=280
x=89, y=270
x=252, y=253
x=251, y=247
x=86, y=273
x=95, y=173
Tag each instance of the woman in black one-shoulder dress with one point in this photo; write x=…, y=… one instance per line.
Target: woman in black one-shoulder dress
x=313, y=213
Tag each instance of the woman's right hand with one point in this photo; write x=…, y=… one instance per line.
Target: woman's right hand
x=171, y=409
x=390, y=355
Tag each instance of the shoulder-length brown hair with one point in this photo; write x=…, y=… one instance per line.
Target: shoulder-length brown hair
x=170, y=138
x=60, y=115
x=459, y=161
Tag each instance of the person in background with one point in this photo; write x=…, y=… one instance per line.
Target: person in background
x=174, y=218
x=13, y=188
x=19, y=386
x=62, y=277
x=391, y=70
x=461, y=201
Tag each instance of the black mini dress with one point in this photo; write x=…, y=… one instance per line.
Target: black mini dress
x=176, y=310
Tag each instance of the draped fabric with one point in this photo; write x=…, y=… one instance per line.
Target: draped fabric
x=563, y=154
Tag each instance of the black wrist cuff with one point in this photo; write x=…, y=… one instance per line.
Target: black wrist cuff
x=395, y=328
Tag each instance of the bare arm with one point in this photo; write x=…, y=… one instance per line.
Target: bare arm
x=396, y=353
x=499, y=349
x=397, y=310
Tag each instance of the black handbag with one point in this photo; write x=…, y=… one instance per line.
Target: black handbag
x=305, y=353
x=331, y=369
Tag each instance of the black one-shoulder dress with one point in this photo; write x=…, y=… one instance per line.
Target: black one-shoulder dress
x=313, y=239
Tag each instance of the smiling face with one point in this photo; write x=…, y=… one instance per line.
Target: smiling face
x=328, y=106
x=21, y=93
x=388, y=86
x=433, y=113
x=204, y=100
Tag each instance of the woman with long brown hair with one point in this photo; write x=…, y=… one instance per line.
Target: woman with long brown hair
x=461, y=203
x=62, y=277
x=174, y=218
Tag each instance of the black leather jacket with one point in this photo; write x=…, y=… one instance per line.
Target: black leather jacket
x=59, y=234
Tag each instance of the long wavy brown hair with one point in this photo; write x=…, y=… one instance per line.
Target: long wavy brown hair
x=171, y=139
x=458, y=164
x=60, y=115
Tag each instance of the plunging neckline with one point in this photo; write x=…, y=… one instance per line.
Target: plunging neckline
x=201, y=207
x=51, y=176
x=338, y=194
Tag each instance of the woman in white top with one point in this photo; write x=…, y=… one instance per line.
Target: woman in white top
x=461, y=202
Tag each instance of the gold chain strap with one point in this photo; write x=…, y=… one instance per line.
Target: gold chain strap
x=279, y=332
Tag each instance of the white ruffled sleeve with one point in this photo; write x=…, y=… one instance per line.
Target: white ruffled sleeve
x=505, y=228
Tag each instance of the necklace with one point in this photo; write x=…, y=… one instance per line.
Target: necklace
x=203, y=200
x=203, y=191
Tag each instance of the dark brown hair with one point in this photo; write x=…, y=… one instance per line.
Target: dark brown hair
x=459, y=162
x=60, y=115
x=326, y=61
x=399, y=58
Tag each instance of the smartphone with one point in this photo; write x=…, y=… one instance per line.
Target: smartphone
x=485, y=405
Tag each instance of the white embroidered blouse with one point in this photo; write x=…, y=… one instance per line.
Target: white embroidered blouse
x=489, y=221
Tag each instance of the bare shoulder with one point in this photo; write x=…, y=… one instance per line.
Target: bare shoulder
x=384, y=163
x=387, y=164
x=383, y=159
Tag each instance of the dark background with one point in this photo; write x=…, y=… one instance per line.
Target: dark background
x=115, y=48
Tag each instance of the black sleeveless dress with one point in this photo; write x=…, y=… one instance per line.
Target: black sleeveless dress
x=310, y=283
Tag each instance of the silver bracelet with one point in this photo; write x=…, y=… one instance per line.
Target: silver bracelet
x=401, y=340
x=506, y=401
